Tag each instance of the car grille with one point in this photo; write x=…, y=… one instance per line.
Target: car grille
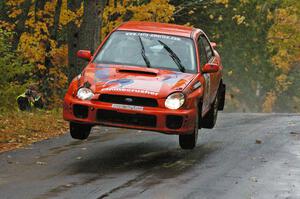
x=129, y=100
x=126, y=118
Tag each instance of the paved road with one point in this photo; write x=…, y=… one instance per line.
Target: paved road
x=245, y=156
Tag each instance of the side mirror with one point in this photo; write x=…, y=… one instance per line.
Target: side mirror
x=84, y=54
x=210, y=68
x=213, y=44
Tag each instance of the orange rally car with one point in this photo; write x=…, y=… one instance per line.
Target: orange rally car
x=149, y=76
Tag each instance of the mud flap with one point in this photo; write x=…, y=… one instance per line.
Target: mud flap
x=222, y=92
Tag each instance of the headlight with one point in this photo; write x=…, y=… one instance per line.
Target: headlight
x=174, y=101
x=85, y=93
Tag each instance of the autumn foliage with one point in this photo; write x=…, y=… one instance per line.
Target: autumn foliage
x=258, y=41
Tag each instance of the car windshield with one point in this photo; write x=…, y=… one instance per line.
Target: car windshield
x=149, y=50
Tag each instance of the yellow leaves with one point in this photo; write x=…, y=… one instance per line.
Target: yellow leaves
x=224, y=2
x=282, y=83
x=269, y=102
x=59, y=56
x=286, y=16
x=29, y=128
x=15, y=10
x=35, y=39
x=66, y=15
x=14, y=2
x=283, y=42
x=244, y=1
x=7, y=26
x=270, y=15
x=41, y=67
x=49, y=7
x=58, y=78
x=40, y=28
x=239, y=19
x=31, y=48
x=155, y=10
x=284, y=37
x=15, y=13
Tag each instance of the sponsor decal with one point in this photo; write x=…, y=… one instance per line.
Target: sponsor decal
x=102, y=75
x=170, y=79
x=122, y=82
x=102, y=66
x=127, y=107
x=130, y=91
x=143, y=34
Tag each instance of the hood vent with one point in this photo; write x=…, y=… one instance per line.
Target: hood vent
x=141, y=72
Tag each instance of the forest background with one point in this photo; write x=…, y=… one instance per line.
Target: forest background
x=259, y=41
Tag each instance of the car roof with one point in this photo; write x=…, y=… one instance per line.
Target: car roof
x=160, y=28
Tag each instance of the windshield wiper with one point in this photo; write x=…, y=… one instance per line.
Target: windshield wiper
x=173, y=56
x=144, y=54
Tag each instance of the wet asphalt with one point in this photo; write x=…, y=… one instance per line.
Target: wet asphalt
x=246, y=156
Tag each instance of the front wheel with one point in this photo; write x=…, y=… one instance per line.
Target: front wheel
x=189, y=141
x=210, y=118
x=79, y=131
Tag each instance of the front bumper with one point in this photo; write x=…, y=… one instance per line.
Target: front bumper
x=149, y=118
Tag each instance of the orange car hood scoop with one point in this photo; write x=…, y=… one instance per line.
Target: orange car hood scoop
x=142, y=71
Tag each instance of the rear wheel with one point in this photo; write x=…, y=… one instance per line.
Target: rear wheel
x=210, y=118
x=189, y=141
x=79, y=131
x=222, y=93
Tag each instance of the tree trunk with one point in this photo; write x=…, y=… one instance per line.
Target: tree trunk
x=20, y=25
x=53, y=36
x=56, y=20
x=53, y=33
x=91, y=24
x=88, y=35
x=73, y=40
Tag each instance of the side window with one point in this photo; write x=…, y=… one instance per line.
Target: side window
x=207, y=47
x=202, y=53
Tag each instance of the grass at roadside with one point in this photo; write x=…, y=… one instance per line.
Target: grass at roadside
x=18, y=129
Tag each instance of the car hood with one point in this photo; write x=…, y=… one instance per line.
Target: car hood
x=134, y=81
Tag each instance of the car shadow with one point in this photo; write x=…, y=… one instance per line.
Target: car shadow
x=152, y=162
x=150, y=157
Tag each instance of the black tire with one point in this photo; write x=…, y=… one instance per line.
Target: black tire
x=79, y=131
x=189, y=141
x=222, y=97
x=210, y=118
